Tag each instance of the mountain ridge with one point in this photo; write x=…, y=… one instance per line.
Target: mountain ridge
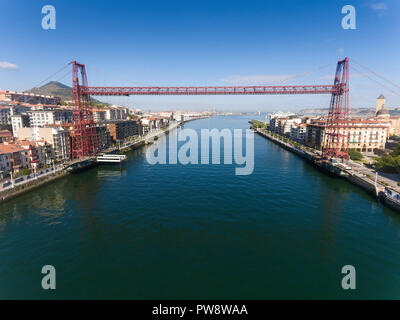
x=58, y=89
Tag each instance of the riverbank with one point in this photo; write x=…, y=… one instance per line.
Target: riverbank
x=31, y=185
x=376, y=189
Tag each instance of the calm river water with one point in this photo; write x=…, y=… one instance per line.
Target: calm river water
x=144, y=231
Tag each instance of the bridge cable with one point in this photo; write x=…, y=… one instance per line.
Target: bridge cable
x=382, y=85
x=375, y=73
x=49, y=77
x=124, y=79
x=303, y=74
x=66, y=74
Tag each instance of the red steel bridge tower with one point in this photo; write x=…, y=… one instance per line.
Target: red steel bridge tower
x=336, y=137
x=84, y=138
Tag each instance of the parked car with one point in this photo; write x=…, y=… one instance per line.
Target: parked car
x=6, y=184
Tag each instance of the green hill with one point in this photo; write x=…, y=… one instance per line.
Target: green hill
x=58, y=89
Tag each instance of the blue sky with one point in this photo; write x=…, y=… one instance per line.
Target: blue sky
x=132, y=43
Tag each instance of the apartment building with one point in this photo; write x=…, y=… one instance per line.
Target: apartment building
x=151, y=122
x=19, y=121
x=40, y=118
x=103, y=137
x=120, y=130
x=298, y=132
x=116, y=113
x=315, y=135
x=34, y=154
x=368, y=135
x=269, y=117
x=56, y=136
x=363, y=135
x=99, y=115
x=13, y=157
x=5, y=114
x=283, y=125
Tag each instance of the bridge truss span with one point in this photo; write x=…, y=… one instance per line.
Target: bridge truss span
x=84, y=132
x=233, y=90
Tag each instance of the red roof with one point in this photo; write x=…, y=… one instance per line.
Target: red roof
x=10, y=148
x=5, y=133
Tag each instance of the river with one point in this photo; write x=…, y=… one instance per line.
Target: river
x=176, y=231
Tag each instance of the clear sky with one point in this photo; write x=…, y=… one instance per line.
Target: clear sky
x=159, y=43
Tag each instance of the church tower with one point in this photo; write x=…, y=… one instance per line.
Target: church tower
x=380, y=103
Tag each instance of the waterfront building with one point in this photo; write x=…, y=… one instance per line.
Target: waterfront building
x=13, y=157
x=144, y=128
x=19, y=121
x=368, y=135
x=167, y=115
x=191, y=115
x=363, y=135
x=24, y=97
x=315, y=135
x=110, y=114
x=18, y=155
x=56, y=136
x=34, y=153
x=298, y=132
x=116, y=113
x=279, y=114
x=99, y=115
x=286, y=125
x=178, y=116
x=283, y=125
x=120, y=130
x=151, y=122
x=103, y=137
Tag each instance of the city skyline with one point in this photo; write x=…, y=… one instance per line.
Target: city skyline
x=169, y=44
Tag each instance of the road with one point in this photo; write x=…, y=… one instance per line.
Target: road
x=363, y=170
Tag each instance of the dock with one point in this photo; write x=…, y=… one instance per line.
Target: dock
x=111, y=158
